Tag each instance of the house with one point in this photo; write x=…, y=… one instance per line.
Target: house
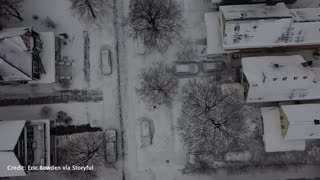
x=257, y=26
x=287, y=127
x=26, y=55
x=23, y=143
x=300, y=122
x=280, y=78
x=272, y=133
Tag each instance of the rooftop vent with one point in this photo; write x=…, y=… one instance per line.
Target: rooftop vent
x=307, y=64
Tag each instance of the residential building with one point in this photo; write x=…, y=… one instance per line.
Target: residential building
x=272, y=133
x=23, y=143
x=280, y=78
x=287, y=127
x=26, y=55
x=256, y=26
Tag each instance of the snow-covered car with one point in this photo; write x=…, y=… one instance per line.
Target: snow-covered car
x=193, y=158
x=111, y=150
x=186, y=68
x=213, y=66
x=106, y=61
x=243, y=156
x=146, y=132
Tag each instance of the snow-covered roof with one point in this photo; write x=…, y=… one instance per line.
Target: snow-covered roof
x=255, y=11
x=6, y=159
x=13, y=32
x=261, y=26
x=10, y=73
x=280, y=78
x=302, y=121
x=9, y=133
x=214, y=43
x=306, y=14
x=14, y=51
x=272, y=137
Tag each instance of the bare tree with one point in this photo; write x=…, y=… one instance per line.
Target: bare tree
x=10, y=8
x=89, y=10
x=156, y=23
x=82, y=150
x=158, y=84
x=210, y=120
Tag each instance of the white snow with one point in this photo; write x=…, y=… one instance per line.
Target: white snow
x=272, y=137
x=301, y=121
x=306, y=14
x=290, y=81
x=256, y=11
x=10, y=73
x=260, y=26
x=9, y=133
x=13, y=32
x=214, y=43
x=16, y=56
x=6, y=159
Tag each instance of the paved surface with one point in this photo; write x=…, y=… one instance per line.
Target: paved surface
x=65, y=96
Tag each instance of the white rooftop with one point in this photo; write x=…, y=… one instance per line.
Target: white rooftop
x=272, y=137
x=9, y=134
x=280, y=78
x=306, y=14
x=9, y=158
x=302, y=121
x=255, y=11
x=261, y=26
x=214, y=43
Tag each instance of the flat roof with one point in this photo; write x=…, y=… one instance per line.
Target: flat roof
x=306, y=14
x=255, y=11
x=262, y=26
x=214, y=42
x=301, y=119
x=272, y=137
x=288, y=81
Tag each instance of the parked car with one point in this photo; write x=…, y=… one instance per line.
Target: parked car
x=106, y=61
x=146, y=130
x=186, y=68
x=213, y=66
x=111, y=150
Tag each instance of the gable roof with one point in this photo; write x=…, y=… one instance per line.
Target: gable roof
x=302, y=121
x=6, y=159
x=9, y=133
